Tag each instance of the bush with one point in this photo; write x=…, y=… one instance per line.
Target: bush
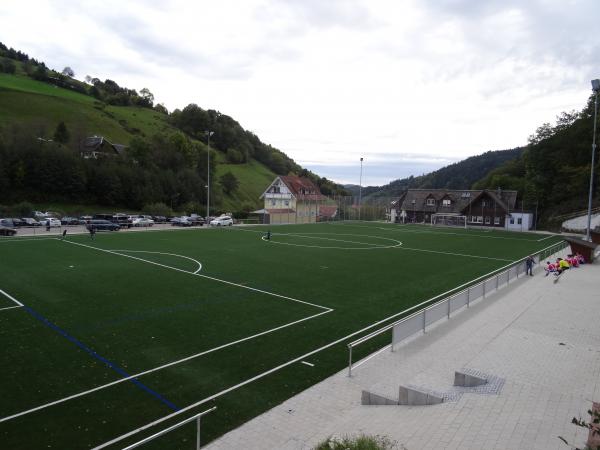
x=158, y=209
x=23, y=209
x=361, y=442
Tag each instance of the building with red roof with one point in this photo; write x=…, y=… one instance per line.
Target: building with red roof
x=294, y=199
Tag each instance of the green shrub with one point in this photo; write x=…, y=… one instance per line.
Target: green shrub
x=361, y=442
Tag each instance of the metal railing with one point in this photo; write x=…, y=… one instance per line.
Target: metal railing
x=196, y=417
x=478, y=288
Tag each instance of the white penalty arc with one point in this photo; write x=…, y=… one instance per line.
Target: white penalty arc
x=368, y=245
x=168, y=254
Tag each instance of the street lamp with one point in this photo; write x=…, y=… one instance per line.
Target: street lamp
x=360, y=190
x=208, y=135
x=596, y=89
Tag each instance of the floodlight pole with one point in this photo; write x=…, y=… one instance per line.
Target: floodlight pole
x=596, y=89
x=360, y=190
x=208, y=135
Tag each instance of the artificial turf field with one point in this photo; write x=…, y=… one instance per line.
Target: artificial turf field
x=192, y=313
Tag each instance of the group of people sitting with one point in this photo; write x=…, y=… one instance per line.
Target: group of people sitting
x=564, y=264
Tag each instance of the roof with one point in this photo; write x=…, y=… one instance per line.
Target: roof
x=416, y=199
x=95, y=143
x=301, y=188
x=281, y=211
x=328, y=210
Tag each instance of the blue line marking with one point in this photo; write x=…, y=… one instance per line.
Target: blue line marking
x=101, y=358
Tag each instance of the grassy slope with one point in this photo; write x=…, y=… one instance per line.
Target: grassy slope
x=41, y=107
x=147, y=315
x=253, y=177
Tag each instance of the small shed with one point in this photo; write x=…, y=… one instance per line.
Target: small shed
x=585, y=248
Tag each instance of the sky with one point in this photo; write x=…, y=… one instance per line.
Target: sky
x=408, y=85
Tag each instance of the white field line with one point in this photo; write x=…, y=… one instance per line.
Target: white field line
x=10, y=297
x=300, y=358
x=307, y=363
x=10, y=307
x=466, y=234
x=201, y=275
x=399, y=245
x=547, y=237
x=370, y=245
x=155, y=369
x=453, y=254
x=23, y=239
x=169, y=254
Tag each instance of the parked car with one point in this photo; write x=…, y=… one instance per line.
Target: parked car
x=142, y=222
x=18, y=222
x=197, y=220
x=71, y=221
x=7, y=223
x=102, y=225
x=50, y=221
x=39, y=214
x=29, y=222
x=159, y=219
x=7, y=231
x=221, y=221
x=86, y=219
x=181, y=222
x=122, y=220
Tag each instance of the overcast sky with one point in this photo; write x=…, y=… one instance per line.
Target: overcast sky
x=410, y=85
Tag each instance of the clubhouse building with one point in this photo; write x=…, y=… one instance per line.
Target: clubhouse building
x=486, y=208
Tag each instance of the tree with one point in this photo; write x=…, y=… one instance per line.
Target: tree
x=61, y=134
x=161, y=108
x=147, y=96
x=68, y=72
x=229, y=182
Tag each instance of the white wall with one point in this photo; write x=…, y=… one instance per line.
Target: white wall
x=516, y=217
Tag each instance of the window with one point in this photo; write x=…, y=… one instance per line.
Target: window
x=287, y=203
x=413, y=202
x=473, y=219
x=483, y=203
x=465, y=195
x=430, y=202
x=273, y=202
x=496, y=220
x=512, y=221
x=519, y=221
x=479, y=219
x=487, y=220
x=446, y=202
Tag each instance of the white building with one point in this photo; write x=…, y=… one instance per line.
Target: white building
x=519, y=221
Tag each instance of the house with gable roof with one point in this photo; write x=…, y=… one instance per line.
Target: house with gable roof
x=294, y=199
x=95, y=147
x=485, y=207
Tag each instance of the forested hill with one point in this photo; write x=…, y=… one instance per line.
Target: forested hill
x=46, y=114
x=460, y=175
x=554, y=170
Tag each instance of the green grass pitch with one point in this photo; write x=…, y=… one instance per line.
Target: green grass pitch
x=102, y=336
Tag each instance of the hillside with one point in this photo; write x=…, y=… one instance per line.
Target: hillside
x=553, y=172
x=166, y=157
x=460, y=175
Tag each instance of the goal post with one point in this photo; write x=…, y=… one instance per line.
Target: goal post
x=448, y=220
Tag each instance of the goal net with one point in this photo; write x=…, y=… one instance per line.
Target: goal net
x=448, y=220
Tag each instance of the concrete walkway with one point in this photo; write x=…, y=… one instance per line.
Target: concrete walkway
x=540, y=339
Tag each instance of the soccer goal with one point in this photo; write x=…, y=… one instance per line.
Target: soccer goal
x=448, y=220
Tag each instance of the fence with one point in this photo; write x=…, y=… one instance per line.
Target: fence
x=478, y=288
x=196, y=417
